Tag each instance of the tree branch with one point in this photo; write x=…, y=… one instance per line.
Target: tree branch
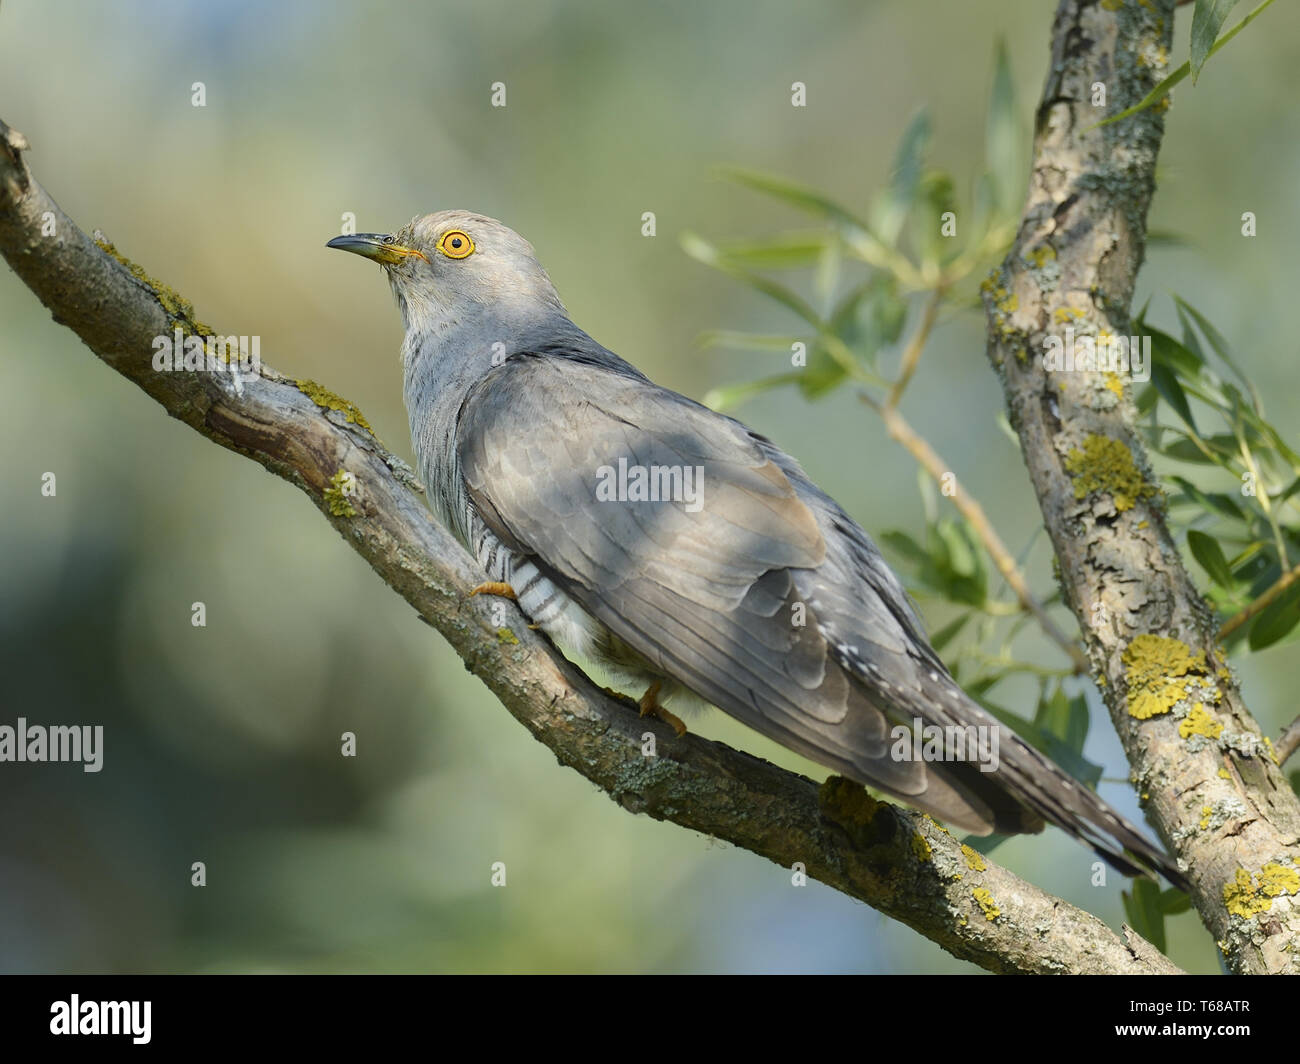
x=898, y=861
x=1199, y=759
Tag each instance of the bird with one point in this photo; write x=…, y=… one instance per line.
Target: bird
x=685, y=553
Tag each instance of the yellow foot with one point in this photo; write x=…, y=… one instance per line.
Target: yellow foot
x=650, y=707
x=495, y=587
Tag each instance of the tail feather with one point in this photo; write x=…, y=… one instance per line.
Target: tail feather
x=1039, y=784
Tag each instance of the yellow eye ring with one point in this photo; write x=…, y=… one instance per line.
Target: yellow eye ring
x=456, y=244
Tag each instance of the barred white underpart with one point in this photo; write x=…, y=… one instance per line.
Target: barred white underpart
x=545, y=605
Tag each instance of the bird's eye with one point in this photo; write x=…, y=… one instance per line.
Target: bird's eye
x=456, y=244
x=388, y=240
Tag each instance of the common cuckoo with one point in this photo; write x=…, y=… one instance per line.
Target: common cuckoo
x=686, y=553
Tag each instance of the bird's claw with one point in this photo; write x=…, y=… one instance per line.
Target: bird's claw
x=497, y=588
x=650, y=707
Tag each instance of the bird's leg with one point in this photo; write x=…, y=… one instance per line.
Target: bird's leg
x=500, y=590
x=650, y=707
x=497, y=588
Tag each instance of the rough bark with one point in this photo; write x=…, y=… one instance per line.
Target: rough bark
x=900, y=862
x=1204, y=771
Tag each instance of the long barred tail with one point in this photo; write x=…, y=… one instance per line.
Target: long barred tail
x=1048, y=790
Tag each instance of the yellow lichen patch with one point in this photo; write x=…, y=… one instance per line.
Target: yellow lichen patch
x=505, y=635
x=1041, y=255
x=1065, y=315
x=974, y=859
x=342, y=485
x=1105, y=464
x=1276, y=879
x=920, y=846
x=1158, y=56
x=1206, y=810
x=1224, y=774
x=1199, y=722
x=178, y=308
x=327, y=400
x=1157, y=669
x=1248, y=895
x=1112, y=5
x=1114, y=383
x=935, y=824
x=986, y=903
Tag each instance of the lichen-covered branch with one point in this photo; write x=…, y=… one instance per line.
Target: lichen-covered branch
x=900, y=862
x=1206, y=774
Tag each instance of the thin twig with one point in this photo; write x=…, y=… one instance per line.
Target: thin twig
x=915, y=348
x=1260, y=604
x=899, y=430
x=1287, y=742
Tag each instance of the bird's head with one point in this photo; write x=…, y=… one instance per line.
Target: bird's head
x=456, y=267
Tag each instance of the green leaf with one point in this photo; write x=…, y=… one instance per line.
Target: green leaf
x=948, y=632
x=961, y=575
x=937, y=198
x=826, y=274
x=703, y=251
x=1209, y=555
x=1002, y=139
x=1174, y=901
x=1207, y=20
x=891, y=210
x=743, y=341
x=1065, y=718
x=1172, y=393
x=1223, y=448
x=1290, y=490
x=823, y=374
x=1162, y=90
x=1073, y=762
x=1175, y=356
x=1145, y=916
x=1217, y=341
x=805, y=197
x=1185, y=450
x=1212, y=501
x=729, y=396
x=1277, y=620
x=906, y=546
x=785, y=251
x=870, y=317
x=961, y=558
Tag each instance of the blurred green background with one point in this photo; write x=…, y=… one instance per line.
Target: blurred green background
x=222, y=743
